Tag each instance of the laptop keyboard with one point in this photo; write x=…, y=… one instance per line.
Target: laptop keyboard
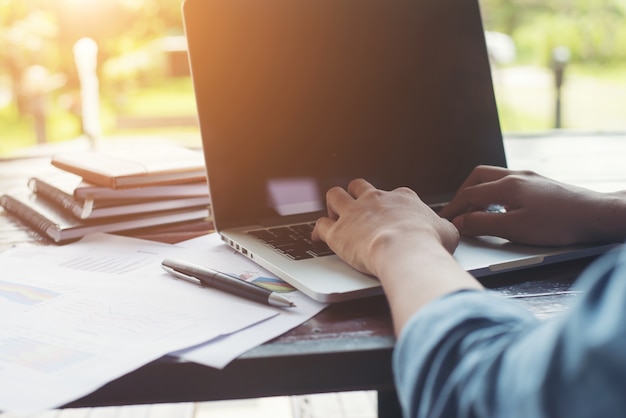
x=294, y=241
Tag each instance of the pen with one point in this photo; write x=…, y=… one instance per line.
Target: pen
x=211, y=278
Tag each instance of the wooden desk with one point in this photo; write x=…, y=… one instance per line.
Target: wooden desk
x=348, y=346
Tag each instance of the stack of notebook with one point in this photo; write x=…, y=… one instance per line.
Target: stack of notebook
x=118, y=190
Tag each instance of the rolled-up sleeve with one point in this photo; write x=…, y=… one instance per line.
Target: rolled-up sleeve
x=475, y=354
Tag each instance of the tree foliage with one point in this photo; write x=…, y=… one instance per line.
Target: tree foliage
x=593, y=30
x=42, y=32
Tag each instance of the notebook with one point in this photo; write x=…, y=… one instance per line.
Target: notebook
x=295, y=97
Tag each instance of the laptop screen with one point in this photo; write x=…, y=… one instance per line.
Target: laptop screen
x=297, y=96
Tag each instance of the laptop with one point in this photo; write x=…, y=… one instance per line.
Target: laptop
x=297, y=96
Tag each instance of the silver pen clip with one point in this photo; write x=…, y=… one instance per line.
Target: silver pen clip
x=182, y=276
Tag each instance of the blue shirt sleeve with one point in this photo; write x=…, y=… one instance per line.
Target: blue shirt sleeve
x=474, y=354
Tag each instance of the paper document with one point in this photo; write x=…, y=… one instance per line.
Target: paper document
x=66, y=331
x=139, y=260
x=121, y=270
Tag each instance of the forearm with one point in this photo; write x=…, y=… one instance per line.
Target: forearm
x=420, y=273
x=475, y=354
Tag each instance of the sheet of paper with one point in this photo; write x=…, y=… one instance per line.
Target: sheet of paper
x=210, y=251
x=64, y=331
x=139, y=260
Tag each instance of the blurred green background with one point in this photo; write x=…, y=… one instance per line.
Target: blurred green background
x=144, y=86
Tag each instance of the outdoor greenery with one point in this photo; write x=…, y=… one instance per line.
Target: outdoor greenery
x=136, y=77
x=593, y=30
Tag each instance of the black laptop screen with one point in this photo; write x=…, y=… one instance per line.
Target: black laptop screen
x=296, y=96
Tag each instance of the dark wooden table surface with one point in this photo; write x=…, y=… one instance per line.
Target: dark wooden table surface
x=347, y=346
